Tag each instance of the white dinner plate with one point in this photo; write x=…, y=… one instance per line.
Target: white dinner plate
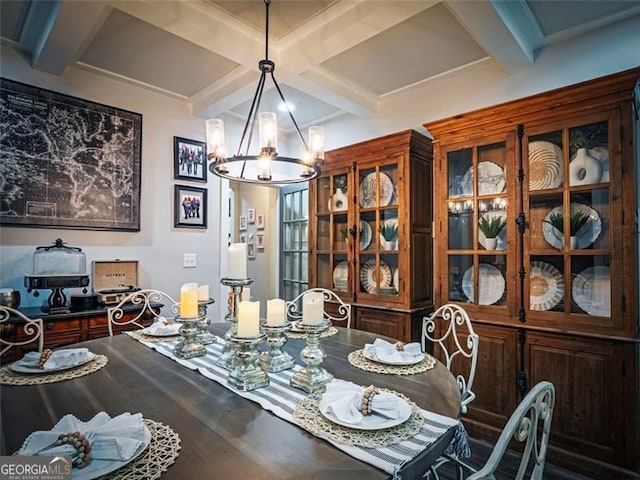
x=490, y=179
x=146, y=331
x=366, y=235
x=586, y=235
x=545, y=165
x=546, y=286
x=396, y=282
x=370, y=276
x=373, y=421
x=368, y=187
x=591, y=290
x=502, y=237
x=412, y=361
x=491, y=285
x=16, y=367
x=341, y=276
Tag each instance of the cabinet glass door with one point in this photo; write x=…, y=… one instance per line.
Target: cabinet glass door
x=477, y=224
x=379, y=231
x=570, y=219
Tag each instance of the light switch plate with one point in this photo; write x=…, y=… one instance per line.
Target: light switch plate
x=189, y=260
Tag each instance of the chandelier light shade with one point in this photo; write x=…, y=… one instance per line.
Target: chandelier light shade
x=266, y=166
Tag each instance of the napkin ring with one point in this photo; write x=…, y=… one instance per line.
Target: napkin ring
x=82, y=445
x=367, y=398
x=44, y=356
x=399, y=346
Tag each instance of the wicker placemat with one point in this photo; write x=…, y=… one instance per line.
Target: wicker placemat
x=327, y=333
x=9, y=377
x=358, y=360
x=307, y=413
x=161, y=453
x=143, y=337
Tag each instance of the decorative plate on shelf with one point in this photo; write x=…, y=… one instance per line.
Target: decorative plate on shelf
x=368, y=187
x=502, y=237
x=546, y=286
x=366, y=235
x=588, y=234
x=341, y=276
x=491, y=285
x=371, y=277
x=396, y=283
x=591, y=290
x=545, y=165
x=490, y=179
x=370, y=422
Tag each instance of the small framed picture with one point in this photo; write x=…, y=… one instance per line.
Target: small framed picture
x=251, y=250
x=243, y=223
x=260, y=245
x=260, y=222
x=251, y=216
x=189, y=160
x=189, y=207
x=243, y=238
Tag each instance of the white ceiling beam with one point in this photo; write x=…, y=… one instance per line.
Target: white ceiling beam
x=56, y=33
x=227, y=92
x=489, y=29
x=522, y=24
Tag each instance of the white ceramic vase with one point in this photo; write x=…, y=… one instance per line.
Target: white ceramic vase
x=584, y=169
x=491, y=243
x=338, y=202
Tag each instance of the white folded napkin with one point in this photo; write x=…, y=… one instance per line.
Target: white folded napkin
x=387, y=352
x=162, y=327
x=59, y=358
x=117, y=438
x=344, y=400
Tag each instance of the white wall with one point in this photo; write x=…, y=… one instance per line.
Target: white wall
x=158, y=246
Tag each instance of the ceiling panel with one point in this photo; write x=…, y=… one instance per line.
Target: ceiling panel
x=12, y=15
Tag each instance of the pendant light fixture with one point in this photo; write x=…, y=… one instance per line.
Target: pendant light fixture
x=266, y=166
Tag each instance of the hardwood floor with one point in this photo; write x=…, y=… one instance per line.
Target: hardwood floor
x=509, y=466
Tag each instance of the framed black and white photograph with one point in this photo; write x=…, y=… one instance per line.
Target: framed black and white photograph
x=251, y=216
x=243, y=223
x=243, y=238
x=260, y=222
x=190, y=207
x=67, y=162
x=189, y=160
x=260, y=245
x=251, y=250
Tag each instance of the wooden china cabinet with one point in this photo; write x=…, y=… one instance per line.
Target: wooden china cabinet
x=371, y=232
x=555, y=296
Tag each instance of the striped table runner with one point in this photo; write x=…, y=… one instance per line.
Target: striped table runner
x=280, y=398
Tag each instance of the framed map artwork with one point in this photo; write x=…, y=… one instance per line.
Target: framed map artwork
x=67, y=162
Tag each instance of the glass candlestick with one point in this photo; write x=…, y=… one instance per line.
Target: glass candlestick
x=228, y=358
x=274, y=359
x=247, y=373
x=190, y=346
x=204, y=335
x=313, y=378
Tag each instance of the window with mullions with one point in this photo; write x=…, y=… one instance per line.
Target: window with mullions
x=294, y=240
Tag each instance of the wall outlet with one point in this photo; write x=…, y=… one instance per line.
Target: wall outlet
x=189, y=260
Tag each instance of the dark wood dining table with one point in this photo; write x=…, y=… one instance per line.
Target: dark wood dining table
x=223, y=435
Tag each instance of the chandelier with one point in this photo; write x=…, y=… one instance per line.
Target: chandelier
x=267, y=166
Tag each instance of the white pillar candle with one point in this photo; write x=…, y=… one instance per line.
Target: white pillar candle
x=248, y=319
x=189, y=300
x=238, y=260
x=203, y=293
x=312, y=308
x=275, y=312
x=246, y=294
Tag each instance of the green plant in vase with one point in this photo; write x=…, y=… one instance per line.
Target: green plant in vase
x=577, y=220
x=491, y=227
x=389, y=232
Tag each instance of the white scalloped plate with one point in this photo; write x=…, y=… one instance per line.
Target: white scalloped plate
x=366, y=235
x=545, y=165
x=490, y=179
x=369, y=275
x=491, y=285
x=546, y=286
x=591, y=290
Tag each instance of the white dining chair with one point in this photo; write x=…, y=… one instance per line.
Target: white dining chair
x=341, y=317
x=447, y=328
x=530, y=423
x=32, y=327
x=145, y=299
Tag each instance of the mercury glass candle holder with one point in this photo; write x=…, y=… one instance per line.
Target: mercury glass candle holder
x=228, y=358
x=190, y=346
x=204, y=335
x=247, y=374
x=312, y=378
x=275, y=359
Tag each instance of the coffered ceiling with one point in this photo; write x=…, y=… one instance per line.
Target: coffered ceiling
x=333, y=57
